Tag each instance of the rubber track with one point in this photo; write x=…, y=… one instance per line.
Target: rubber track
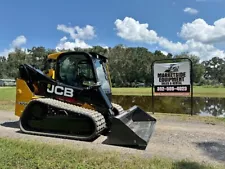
x=118, y=107
x=97, y=117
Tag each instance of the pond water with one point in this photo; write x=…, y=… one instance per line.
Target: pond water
x=203, y=106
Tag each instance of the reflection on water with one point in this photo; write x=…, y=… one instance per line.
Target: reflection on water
x=181, y=105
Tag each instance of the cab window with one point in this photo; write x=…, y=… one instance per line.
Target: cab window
x=75, y=69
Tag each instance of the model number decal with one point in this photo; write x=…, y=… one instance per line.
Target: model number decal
x=60, y=90
x=23, y=103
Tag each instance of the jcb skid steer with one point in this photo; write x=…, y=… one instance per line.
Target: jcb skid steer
x=71, y=98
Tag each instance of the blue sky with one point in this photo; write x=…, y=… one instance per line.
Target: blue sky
x=34, y=23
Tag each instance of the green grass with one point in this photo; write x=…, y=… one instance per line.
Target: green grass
x=9, y=93
x=198, y=91
x=7, y=98
x=30, y=154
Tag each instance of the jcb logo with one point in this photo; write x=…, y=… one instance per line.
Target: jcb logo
x=59, y=90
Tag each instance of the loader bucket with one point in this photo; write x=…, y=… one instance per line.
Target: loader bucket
x=133, y=128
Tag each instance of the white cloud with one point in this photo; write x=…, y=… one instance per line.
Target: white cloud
x=16, y=43
x=105, y=47
x=205, y=51
x=63, y=39
x=191, y=11
x=5, y=52
x=20, y=40
x=134, y=31
x=71, y=45
x=164, y=52
x=200, y=31
x=78, y=36
x=76, y=32
x=171, y=46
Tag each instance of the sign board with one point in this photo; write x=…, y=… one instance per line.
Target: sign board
x=172, y=79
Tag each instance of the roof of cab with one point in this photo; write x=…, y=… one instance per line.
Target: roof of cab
x=54, y=56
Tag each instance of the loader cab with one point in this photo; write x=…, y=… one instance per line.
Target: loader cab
x=80, y=69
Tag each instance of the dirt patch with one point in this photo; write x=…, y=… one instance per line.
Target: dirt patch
x=178, y=140
x=7, y=105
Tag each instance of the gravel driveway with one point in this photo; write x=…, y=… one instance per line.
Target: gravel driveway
x=178, y=140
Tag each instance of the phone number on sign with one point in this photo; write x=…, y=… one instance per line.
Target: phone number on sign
x=183, y=89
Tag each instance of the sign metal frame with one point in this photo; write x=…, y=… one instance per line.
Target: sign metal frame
x=173, y=60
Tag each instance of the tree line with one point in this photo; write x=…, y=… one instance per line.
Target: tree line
x=128, y=65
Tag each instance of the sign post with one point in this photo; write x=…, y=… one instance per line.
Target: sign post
x=173, y=77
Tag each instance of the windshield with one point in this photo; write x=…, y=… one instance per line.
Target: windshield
x=102, y=76
x=75, y=69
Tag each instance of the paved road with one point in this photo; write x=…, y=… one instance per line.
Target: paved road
x=178, y=140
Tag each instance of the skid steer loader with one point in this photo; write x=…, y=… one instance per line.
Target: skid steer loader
x=71, y=98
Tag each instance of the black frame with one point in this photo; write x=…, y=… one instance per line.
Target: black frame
x=191, y=78
x=89, y=57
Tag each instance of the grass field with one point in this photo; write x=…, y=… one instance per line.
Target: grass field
x=197, y=91
x=7, y=98
x=30, y=154
x=8, y=93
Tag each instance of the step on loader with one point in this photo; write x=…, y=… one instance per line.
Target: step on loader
x=71, y=98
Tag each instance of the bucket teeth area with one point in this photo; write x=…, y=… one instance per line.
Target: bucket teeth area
x=133, y=128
